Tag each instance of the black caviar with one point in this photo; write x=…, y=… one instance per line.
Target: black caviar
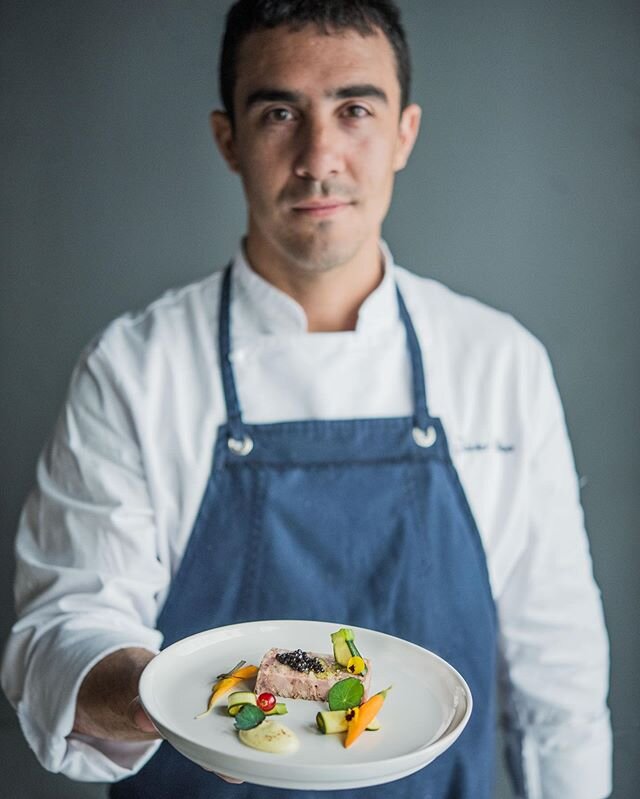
x=300, y=661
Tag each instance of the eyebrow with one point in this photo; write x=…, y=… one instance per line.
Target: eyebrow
x=269, y=95
x=359, y=90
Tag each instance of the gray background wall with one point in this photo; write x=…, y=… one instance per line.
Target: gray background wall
x=523, y=191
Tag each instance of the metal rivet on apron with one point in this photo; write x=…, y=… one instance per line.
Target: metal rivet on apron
x=425, y=438
x=240, y=447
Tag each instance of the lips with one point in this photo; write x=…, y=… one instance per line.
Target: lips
x=325, y=207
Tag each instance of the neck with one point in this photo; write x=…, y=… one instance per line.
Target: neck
x=330, y=298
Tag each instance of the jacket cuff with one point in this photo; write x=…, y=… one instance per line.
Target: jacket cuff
x=48, y=725
x=577, y=768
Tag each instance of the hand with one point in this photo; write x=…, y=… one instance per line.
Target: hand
x=108, y=706
x=139, y=718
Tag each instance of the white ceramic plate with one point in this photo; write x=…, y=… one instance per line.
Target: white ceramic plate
x=422, y=716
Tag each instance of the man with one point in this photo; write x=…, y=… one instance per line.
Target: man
x=384, y=452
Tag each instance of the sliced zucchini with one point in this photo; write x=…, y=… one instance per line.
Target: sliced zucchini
x=332, y=721
x=241, y=698
x=340, y=640
x=344, y=647
x=354, y=653
x=279, y=709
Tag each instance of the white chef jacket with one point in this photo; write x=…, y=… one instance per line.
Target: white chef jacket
x=120, y=482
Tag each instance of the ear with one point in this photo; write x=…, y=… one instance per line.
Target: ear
x=222, y=130
x=408, y=133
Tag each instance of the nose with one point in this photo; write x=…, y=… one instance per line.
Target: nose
x=320, y=153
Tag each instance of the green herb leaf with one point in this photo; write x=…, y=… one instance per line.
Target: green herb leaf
x=345, y=694
x=249, y=716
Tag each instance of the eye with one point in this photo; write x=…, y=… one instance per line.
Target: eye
x=278, y=115
x=357, y=111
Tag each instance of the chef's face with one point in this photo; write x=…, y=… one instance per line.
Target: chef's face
x=318, y=135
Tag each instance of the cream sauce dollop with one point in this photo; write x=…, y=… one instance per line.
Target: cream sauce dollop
x=270, y=736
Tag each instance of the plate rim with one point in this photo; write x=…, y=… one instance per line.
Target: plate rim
x=313, y=771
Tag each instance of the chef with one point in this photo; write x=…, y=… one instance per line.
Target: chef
x=312, y=432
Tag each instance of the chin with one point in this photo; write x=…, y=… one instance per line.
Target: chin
x=321, y=262
x=320, y=256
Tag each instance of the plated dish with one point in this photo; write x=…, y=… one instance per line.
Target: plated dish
x=426, y=711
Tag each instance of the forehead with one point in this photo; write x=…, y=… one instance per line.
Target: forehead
x=311, y=61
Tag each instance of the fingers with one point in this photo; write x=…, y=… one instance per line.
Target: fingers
x=140, y=720
x=232, y=780
x=224, y=777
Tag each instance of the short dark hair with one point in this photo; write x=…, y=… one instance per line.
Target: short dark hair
x=363, y=16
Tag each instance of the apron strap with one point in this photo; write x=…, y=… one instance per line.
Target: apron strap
x=420, y=408
x=234, y=415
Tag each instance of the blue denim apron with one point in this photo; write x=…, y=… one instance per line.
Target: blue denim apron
x=363, y=520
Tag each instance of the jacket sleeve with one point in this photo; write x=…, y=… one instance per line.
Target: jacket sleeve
x=553, y=638
x=87, y=575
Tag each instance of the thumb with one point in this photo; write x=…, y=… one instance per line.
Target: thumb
x=140, y=719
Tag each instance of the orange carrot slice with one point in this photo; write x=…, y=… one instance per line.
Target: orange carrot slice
x=244, y=673
x=363, y=716
x=228, y=681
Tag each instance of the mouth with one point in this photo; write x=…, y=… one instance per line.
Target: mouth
x=320, y=208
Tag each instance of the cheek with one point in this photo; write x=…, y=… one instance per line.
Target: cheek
x=258, y=177
x=265, y=169
x=375, y=157
x=376, y=175
x=375, y=178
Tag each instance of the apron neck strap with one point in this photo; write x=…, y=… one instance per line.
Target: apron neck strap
x=420, y=408
x=234, y=415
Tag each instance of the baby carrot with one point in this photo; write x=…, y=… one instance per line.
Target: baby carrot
x=363, y=716
x=228, y=681
x=242, y=673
